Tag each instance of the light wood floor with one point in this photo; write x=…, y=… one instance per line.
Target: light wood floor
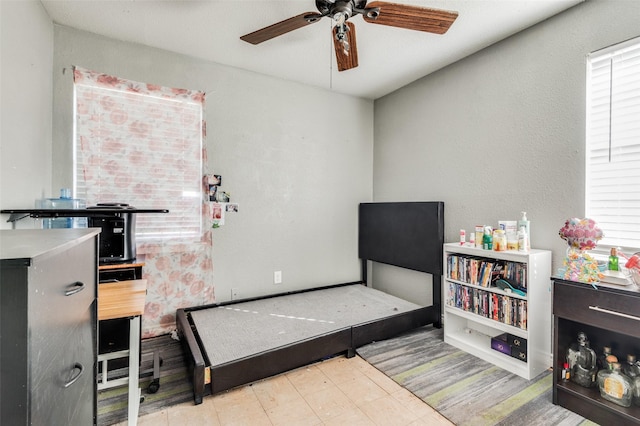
x=338, y=391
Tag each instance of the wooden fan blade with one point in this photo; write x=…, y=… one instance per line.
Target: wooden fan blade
x=410, y=17
x=282, y=27
x=346, y=59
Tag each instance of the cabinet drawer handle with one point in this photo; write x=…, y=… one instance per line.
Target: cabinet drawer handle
x=77, y=366
x=607, y=311
x=74, y=288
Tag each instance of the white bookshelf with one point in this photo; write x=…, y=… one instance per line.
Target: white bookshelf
x=472, y=333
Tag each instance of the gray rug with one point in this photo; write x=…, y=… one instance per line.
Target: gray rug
x=463, y=388
x=175, y=386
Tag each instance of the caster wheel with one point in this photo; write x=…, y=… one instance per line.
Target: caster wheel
x=153, y=386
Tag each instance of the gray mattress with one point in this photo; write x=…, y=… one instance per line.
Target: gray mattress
x=236, y=331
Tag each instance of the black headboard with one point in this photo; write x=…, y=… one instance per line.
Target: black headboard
x=405, y=234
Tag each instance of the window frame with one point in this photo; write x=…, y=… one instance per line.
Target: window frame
x=597, y=108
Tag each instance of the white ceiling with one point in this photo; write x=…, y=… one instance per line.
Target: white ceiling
x=389, y=57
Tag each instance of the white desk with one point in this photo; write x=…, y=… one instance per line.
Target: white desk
x=124, y=299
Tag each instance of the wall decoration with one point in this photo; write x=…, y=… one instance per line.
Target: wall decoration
x=223, y=197
x=217, y=215
x=213, y=190
x=215, y=180
x=232, y=207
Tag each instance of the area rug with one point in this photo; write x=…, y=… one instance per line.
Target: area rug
x=464, y=388
x=175, y=386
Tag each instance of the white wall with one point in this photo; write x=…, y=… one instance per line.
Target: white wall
x=500, y=131
x=26, y=40
x=297, y=179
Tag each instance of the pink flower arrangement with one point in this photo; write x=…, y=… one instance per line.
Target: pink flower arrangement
x=582, y=234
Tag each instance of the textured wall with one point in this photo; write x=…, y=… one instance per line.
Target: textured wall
x=297, y=159
x=500, y=131
x=25, y=141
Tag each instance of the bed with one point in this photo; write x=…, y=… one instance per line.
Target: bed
x=238, y=342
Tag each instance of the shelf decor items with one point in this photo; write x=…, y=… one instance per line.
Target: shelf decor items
x=581, y=235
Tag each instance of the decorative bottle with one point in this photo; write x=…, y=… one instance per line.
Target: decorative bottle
x=615, y=386
x=601, y=361
x=582, y=360
x=636, y=387
x=632, y=369
x=613, y=260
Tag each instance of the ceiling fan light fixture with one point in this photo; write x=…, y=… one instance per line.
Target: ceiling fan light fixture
x=341, y=36
x=340, y=16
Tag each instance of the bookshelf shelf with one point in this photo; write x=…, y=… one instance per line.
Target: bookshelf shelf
x=474, y=313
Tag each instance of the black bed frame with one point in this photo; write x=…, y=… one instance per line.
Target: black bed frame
x=418, y=220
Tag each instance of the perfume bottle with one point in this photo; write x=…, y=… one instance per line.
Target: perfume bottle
x=615, y=386
x=582, y=360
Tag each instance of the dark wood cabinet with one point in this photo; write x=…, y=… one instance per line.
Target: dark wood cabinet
x=610, y=316
x=48, y=326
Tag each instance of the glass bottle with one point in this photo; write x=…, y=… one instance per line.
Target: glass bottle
x=499, y=240
x=636, y=387
x=582, y=360
x=630, y=368
x=566, y=373
x=613, y=260
x=615, y=386
x=601, y=361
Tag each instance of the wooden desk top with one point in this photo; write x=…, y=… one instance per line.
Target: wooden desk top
x=121, y=299
x=120, y=266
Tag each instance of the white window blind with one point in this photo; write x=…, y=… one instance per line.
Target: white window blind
x=613, y=143
x=140, y=144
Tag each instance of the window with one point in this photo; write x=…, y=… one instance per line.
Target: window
x=613, y=143
x=140, y=144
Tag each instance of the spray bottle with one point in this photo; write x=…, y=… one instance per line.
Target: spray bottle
x=487, y=239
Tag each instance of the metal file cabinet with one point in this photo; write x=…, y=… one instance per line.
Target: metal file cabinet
x=48, y=326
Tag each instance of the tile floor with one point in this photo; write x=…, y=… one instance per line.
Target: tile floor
x=339, y=391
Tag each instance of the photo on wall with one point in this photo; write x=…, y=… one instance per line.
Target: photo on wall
x=213, y=192
x=215, y=180
x=217, y=215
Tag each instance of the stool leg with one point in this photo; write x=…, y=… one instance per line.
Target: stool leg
x=134, y=370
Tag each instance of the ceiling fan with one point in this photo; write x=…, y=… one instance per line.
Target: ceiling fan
x=344, y=33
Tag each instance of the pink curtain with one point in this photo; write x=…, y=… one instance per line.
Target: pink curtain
x=179, y=272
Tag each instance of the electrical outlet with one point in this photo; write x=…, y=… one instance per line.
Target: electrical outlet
x=235, y=293
x=277, y=277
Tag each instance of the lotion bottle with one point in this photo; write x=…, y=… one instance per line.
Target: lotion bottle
x=523, y=241
x=524, y=222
